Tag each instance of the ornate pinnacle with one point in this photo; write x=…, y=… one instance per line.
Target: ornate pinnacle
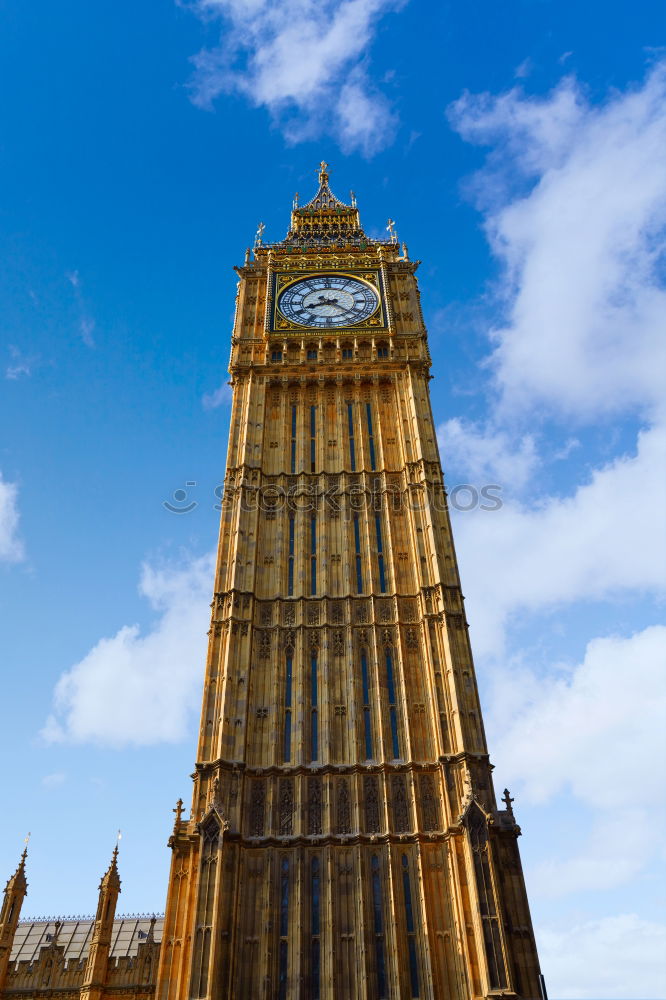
x=323, y=172
x=18, y=879
x=179, y=812
x=507, y=801
x=24, y=855
x=111, y=878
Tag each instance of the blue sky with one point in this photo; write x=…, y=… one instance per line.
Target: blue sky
x=519, y=147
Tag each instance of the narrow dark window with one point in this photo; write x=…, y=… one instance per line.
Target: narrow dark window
x=367, y=720
x=490, y=923
x=393, y=717
x=379, y=928
x=290, y=574
x=276, y=355
x=293, y=439
x=312, y=355
x=371, y=437
x=411, y=935
x=314, y=724
x=313, y=437
x=357, y=546
x=284, y=930
x=347, y=353
x=313, y=555
x=352, y=449
x=315, y=957
x=382, y=352
x=289, y=663
x=380, y=553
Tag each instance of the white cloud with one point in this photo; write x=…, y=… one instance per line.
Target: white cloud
x=134, y=689
x=598, y=705
x=220, y=396
x=487, y=455
x=365, y=120
x=606, y=539
x=11, y=546
x=616, y=957
x=604, y=721
x=303, y=61
x=574, y=197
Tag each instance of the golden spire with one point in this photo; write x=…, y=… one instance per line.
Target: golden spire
x=111, y=877
x=18, y=879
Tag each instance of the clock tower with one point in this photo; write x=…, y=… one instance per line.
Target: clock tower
x=344, y=840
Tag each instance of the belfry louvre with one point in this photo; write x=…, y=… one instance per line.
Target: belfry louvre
x=344, y=840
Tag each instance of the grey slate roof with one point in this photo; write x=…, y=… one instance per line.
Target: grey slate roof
x=74, y=936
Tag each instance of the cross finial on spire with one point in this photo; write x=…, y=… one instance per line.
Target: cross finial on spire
x=391, y=229
x=507, y=800
x=323, y=172
x=259, y=238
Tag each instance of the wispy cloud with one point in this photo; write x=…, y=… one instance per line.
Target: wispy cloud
x=20, y=365
x=488, y=455
x=54, y=780
x=11, y=546
x=305, y=61
x=141, y=689
x=219, y=397
x=86, y=321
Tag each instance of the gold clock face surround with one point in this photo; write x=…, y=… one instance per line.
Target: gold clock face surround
x=328, y=301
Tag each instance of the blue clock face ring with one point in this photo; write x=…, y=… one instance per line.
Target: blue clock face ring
x=328, y=300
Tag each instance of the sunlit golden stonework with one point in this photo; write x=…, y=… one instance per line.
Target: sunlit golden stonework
x=344, y=840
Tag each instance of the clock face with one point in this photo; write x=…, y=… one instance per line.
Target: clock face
x=328, y=300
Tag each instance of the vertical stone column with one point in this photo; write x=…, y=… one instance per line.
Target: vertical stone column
x=97, y=965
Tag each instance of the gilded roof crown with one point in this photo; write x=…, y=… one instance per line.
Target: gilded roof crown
x=324, y=219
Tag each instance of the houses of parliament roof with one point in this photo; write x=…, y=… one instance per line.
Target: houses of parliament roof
x=73, y=935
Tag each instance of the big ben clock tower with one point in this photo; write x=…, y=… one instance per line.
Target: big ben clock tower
x=344, y=840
